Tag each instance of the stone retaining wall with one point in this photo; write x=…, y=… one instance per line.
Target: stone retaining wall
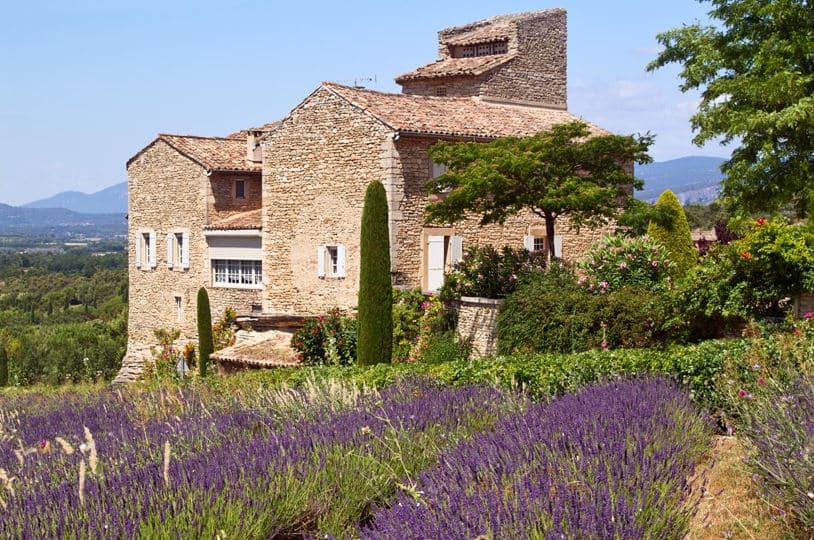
x=477, y=324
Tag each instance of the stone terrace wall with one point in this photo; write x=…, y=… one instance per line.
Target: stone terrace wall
x=167, y=193
x=410, y=169
x=221, y=202
x=477, y=324
x=316, y=168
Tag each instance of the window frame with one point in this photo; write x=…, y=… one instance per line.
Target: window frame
x=237, y=273
x=242, y=183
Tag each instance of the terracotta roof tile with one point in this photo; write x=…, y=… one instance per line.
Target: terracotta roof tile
x=484, y=34
x=267, y=353
x=265, y=128
x=454, y=116
x=213, y=153
x=236, y=222
x=448, y=67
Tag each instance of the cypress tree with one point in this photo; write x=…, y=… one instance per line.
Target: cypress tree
x=375, y=328
x=676, y=239
x=3, y=365
x=205, y=343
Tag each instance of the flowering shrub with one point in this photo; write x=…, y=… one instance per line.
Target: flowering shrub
x=223, y=333
x=165, y=356
x=489, y=273
x=431, y=324
x=617, y=261
x=407, y=311
x=329, y=340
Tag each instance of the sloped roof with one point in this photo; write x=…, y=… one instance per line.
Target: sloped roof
x=449, y=67
x=266, y=353
x=454, y=116
x=265, y=128
x=251, y=219
x=484, y=34
x=211, y=153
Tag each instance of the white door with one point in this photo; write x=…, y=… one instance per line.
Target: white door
x=435, y=262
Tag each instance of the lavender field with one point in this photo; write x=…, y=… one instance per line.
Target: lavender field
x=413, y=460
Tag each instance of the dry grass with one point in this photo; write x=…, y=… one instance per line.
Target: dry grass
x=729, y=505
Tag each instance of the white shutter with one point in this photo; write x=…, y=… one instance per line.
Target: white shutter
x=152, y=256
x=558, y=246
x=528, y=243
x=185, y=250
x=321, y=261
x=138, y=250
x=456, y=249
x=340, y=261
x=170, y=239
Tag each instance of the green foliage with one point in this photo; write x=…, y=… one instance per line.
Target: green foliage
x=552, y=312
x=3, y=365
x=753, y=68
x=328, y=340
x=676, y=237
x=617, y=261
x=375, y=340
x=705, y=216
x=489, y=273
x=444, y=347
x=560, y=172
x=206, y=345
x=165, y=356
x=223, y=332
x=407, y=311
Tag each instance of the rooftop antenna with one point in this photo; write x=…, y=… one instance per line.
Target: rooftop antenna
x=359, y=82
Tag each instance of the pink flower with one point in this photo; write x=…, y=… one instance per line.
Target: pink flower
x=43, y=443
x=622, y=265
x=604, y=285
x=742, y=392
x=807, y=315
x=761, y=381
x=654, y=264
x=604, y=344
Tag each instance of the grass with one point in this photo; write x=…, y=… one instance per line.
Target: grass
x=729, y=505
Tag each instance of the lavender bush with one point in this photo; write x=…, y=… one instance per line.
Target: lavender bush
x=609, y=462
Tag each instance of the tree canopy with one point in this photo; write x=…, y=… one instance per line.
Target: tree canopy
x=562, y=172
x=755, y=71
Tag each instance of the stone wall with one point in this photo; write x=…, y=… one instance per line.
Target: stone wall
x=167, y=193
x=803, y=303
x=539, y=71
x=453, y=86
x=477, y=325
x=316, y=168
x=221, y=202
x=409, y=170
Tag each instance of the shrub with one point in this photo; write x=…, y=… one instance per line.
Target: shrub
x=444, y=347
x=676, y=238
x=433, y=321
x=375, y=340
x=165, y=356
x=489, y=273
x=616, y=262
x=3, y=365
x=407, y=310
x=328, y=340
x=205, y=343
x=223, y=333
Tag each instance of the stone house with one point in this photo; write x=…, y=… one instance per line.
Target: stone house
x=267, y=219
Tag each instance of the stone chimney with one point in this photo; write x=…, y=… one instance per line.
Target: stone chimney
x=253, y=149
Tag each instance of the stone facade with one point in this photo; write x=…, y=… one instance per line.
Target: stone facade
x=477, y=325
x=221, y=201
x=803, y=303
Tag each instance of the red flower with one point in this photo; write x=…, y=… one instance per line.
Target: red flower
x=761, y=381
x=761, y=221
x=742, y=392
x=746, y=255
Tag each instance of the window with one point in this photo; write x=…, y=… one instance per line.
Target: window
x=145, y=250
x=179, y=310
x=481, y=49
x=178, y=250
x=440, y=91
x=240, y=189
x=331, y=261
x=436, y=170
x=237, y=274
x=179, y=246
x=539, y=243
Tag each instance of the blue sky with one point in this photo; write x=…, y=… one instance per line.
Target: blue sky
x=86, y=84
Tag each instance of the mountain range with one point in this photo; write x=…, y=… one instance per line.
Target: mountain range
x=694, y=179
x=111, y=200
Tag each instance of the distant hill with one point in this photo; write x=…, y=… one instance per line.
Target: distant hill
x=20, y=220
x=111, y=200
x=694, y=179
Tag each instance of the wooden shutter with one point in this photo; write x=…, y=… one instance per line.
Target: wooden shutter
x=558, y=246
x=340, y=261
x=456, y=249
x=185, y=250
x=528, y=243
x=321, y=261
x=152, y=255
x=138, y=249
x=170, y=246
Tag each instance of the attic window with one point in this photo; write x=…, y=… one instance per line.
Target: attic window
x=440, y=91
x=481, y=49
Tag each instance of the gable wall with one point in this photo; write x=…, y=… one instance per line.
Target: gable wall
x=316, y=168
x=221, y=202
x=167, y=193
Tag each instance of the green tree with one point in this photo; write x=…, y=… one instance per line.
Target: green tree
x=206, y=345
x=562, y=172
x=375, y=329
x=676, y=238
x=755, y=71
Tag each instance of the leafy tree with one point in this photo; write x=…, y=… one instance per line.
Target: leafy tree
x=755, y=71
x=206, y=345
x=676, y=238
x=563, y=172
x=375, y=341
